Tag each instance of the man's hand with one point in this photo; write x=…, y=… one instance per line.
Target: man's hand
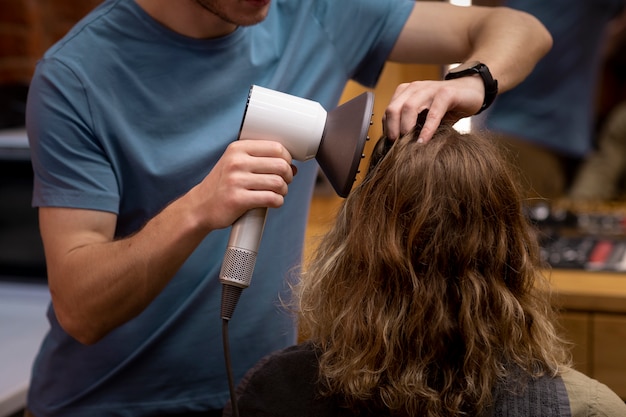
x=446, y=101
x=250, y=174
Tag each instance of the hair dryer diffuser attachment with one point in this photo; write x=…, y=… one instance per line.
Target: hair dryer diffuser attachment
x=345, y=134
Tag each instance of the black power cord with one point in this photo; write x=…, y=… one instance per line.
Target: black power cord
x=229, y=369
x=230, y=297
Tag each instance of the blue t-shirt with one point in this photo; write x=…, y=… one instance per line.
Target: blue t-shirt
x=125, y=116
x=554, y=106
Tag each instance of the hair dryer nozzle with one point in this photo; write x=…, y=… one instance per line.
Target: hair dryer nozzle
x=345, y=134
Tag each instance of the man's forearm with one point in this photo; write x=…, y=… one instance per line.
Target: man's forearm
x=511, y=43
x=98, y=286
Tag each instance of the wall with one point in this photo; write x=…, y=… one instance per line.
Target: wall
x=28, y=28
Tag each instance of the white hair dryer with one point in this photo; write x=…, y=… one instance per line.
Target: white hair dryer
x=336, y=139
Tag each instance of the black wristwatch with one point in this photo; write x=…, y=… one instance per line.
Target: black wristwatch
x=473, y=68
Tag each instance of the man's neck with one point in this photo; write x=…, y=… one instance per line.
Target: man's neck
x=187, y=18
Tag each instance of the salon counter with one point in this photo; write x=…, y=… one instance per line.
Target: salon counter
x=593, y=314
x=601, y=292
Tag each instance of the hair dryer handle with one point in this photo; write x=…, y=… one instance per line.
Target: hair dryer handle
x=243, y=246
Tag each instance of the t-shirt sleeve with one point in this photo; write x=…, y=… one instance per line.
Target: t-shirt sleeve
x=70, y=165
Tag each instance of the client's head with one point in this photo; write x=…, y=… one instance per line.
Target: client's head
x=425, y=289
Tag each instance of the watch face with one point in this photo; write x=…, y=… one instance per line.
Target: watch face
x=464, y=66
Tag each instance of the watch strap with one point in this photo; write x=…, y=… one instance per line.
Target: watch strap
x=491, y=85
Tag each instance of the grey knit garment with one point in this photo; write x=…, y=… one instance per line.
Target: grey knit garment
x=545, y=396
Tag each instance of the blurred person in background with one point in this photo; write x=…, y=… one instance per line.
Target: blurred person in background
x=602, y=175
x=548, y=121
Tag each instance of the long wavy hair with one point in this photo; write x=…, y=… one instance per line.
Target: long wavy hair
x=428, y=291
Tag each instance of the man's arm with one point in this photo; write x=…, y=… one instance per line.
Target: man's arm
x=508, y=41
x=98, y=282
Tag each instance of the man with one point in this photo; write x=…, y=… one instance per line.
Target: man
x=132, y=119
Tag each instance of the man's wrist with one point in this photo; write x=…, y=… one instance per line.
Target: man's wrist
x=472, y=68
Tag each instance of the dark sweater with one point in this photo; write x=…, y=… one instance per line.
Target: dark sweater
x=284, y=384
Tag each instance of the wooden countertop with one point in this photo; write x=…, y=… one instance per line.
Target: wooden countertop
x=589, y=290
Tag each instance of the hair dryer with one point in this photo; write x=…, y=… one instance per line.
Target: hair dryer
x=336, y=139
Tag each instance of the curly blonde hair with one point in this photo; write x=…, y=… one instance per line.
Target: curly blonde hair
x=428, y=290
